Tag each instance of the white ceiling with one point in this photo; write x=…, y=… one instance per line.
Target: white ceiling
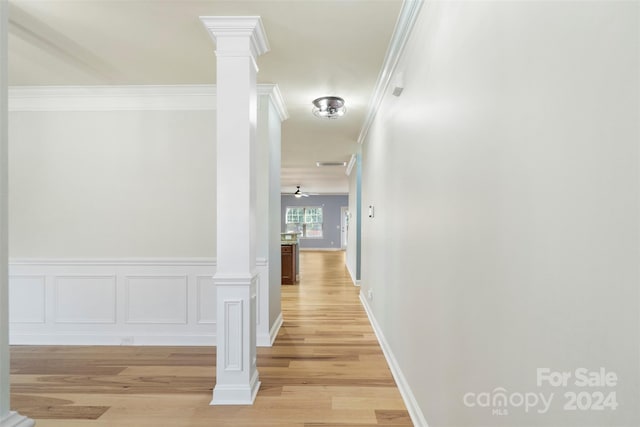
x=318, y=47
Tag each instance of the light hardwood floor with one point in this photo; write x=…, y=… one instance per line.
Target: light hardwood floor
x=325, y=369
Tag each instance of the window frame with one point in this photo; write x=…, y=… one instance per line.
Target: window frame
x=303, y=225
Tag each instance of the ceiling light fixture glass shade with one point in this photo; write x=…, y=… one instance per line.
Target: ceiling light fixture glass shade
x=329, y=107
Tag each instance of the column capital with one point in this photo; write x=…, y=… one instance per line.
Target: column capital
x=237, y=27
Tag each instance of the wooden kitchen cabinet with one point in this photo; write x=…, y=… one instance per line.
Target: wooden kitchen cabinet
x=289, y=261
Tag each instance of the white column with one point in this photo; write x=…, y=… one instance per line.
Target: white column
x=7, y=417
x=239, y=41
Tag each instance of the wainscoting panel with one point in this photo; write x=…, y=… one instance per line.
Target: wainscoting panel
x=263, y=339
x=122, y=302
x=27, y=299
x=158, y=299
x=98, y=296
x=206, y=300
x=233, y=335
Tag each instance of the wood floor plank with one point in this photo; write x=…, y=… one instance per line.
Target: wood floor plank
x=325, y=369
x=56, y=408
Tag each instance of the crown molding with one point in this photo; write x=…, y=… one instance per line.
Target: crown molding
x=404, y=26
x=126, y=98
x=112, y=98
x=275, y=96
x=352, y=162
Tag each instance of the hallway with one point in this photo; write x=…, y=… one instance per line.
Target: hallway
x=325, y=369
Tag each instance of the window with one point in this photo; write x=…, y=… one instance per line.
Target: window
x=306, y=221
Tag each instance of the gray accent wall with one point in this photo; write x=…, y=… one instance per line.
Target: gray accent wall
x=331, y=218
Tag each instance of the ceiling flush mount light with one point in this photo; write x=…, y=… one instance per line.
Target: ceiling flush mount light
x=329, y=107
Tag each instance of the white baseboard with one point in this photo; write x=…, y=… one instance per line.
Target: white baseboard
x=353, y=276
x=276, y=328
x=417, y=417
x=266, y=339
x=111, y=340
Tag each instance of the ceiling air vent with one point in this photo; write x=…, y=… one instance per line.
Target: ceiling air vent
x=323, y=164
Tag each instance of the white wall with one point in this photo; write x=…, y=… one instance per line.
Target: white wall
x=92, y=195
x=505, y=186
x=275, y=267
x=268, y=203
x=352, y=249
x=4, y=214
x=113, y=216
x=112, y=184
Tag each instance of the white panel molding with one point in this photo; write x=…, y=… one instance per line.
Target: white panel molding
x=206, y=300
x=406, y=20
x=175, y=300
x=65, y=301
x=258, y=292
x=233, y=335
x=200, y=327
x=263, y=337
x=417, y=417
x=127, y=98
